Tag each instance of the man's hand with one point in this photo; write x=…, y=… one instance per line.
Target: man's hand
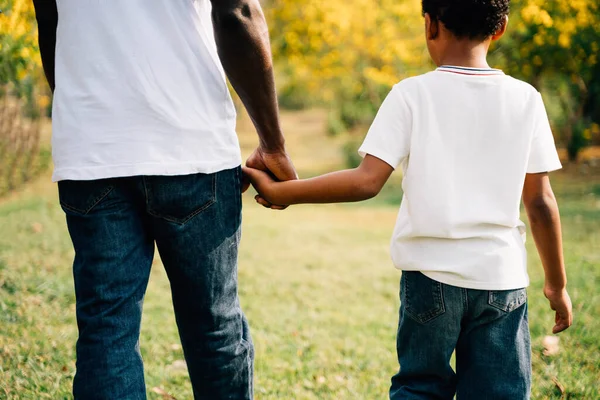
x=278, y=164
x=561, y=303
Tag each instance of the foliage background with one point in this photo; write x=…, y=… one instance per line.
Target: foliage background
x=323, y=318
x=347, y=54
x=24, y=98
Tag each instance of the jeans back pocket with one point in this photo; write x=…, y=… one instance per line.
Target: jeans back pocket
x=507, y=300
x=178, y=199
x=81, y=197
x=422, y=297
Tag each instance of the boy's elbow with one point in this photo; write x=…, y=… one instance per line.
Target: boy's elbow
x=369, y=188
x=371, y=192
x=542, y=208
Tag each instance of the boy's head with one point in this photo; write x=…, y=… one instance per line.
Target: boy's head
x=474, y=21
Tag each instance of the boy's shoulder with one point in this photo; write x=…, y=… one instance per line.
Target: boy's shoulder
x=519, y=84
x=435, y=77
x=410, y=82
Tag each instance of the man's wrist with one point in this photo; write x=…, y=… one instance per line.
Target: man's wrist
x=273, y=146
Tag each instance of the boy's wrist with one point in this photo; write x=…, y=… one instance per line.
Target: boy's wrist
x=275, y=194
x=554, y=287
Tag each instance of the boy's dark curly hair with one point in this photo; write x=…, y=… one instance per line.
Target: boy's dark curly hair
x=468, y=18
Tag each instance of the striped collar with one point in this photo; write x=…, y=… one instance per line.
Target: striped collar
x=469, y=71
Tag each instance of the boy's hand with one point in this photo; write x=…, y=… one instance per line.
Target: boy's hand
x=264, y=184
x=561, y=303
x=278, y=164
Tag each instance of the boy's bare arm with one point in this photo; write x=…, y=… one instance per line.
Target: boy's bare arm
x=361, y=183
x=544, y=219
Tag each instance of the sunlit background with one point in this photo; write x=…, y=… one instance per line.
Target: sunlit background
x=315, y=281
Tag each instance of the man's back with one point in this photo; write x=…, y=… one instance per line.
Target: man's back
x=139, y=91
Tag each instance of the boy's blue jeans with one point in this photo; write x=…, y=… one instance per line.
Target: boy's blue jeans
x=195, y=222
x=488, y=330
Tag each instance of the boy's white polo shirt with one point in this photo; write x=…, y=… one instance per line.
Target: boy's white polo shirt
x=465, y=139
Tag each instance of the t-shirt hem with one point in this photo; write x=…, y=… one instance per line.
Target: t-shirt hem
x=542, y=169
x=477, y=285
x=388, y=159
x=127, y=170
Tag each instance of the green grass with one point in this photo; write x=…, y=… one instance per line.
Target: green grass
x=316, y=283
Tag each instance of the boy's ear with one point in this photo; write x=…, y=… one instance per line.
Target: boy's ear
x=431, y=27
x=501, y=30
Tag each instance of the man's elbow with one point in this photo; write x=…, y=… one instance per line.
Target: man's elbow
x=231, y=15
x=46, y=12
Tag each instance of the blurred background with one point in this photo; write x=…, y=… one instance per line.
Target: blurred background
x=315, y=281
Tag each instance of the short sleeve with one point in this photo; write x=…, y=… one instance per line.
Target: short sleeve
x=543, y=156
x=389, y=136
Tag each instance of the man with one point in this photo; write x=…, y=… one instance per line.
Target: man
x=145, y=153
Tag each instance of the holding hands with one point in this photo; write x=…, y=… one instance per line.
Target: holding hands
x=266, y=186
x=262, y=167
x=361, y=183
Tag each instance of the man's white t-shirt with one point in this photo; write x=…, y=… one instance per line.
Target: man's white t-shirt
x=139, y=91
x=465, y=139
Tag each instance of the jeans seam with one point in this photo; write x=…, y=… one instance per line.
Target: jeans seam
x=238, y=196
x=214, y=188
x=145, y=192
x=248, y=347
x=441, y=299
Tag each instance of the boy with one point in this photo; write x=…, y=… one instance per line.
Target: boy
x=471, y=142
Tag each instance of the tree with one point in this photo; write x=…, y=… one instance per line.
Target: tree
x=554, y=45
x=23, y=96
x=345, y=53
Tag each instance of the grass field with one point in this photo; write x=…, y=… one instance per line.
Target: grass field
x=316, y=283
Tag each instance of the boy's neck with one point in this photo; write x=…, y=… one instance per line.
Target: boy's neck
x=465, y=53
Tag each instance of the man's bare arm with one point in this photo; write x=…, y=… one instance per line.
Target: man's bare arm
x=47, y=19
x=242, y=38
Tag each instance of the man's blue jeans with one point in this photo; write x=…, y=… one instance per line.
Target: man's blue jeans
x=195, y=222
x=488, y=330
